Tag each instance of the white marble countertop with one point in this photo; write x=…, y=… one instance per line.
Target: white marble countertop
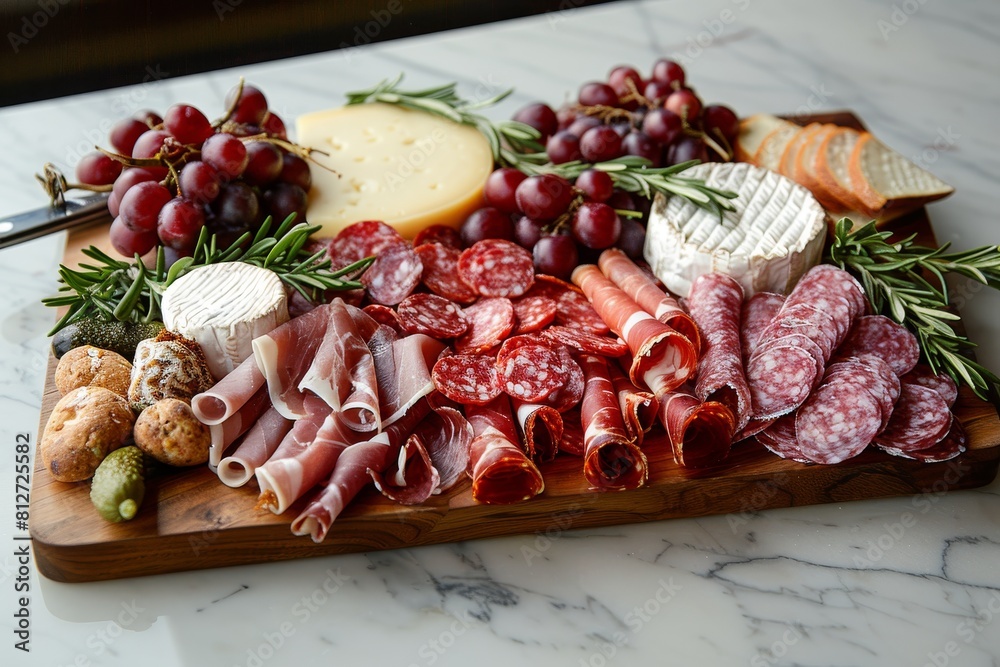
x=902, y=581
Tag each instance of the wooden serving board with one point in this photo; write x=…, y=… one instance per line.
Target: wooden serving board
x=190, y=520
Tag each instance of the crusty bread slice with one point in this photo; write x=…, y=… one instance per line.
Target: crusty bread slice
x=882, y=178
x=832, y=170
x=769, y=154
x=753, y=131
x=804, y=162
x=786, y=164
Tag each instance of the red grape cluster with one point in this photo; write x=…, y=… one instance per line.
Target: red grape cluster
x=562, y=223
x=176, y=174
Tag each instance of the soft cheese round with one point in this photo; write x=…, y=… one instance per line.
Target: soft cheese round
x=774, y=235
x=408, y=168
x=224, y=307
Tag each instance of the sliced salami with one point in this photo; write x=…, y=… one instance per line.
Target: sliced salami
x=753, y=427
x=393, y=275
x=363, y=239
x=442, y=234
x=440, y=273
x=872, y=374
x=468, y=379
x=432, y=315
x=925, y=376
x=780, y=379
x=550, y=286
x=531, y=373
x=880, y=336
x=542, y=428
x=571, y=392
x=384, y=315
x=838, y=421
x=573, y=309
x=533, y=313
x=947, y=448
x=490, y=321
x=510, y=345
x=584, y=341
x=758, y=311
x=497, y=268
x=920, y=419
x=779, y=438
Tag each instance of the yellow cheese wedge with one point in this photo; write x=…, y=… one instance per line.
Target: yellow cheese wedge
x=407, y=168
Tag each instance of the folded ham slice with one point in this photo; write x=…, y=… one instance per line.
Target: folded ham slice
x=639, y=408
x=226, y=433
x=229, y=394
x=542, y=426
x=411, y=478
x=255, y=449
x=700, y=433
x=501, y=472
x=662, y=359
x=402, y=370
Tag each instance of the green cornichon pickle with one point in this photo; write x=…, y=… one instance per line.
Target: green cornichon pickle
x=119, y=484
x=120, y=337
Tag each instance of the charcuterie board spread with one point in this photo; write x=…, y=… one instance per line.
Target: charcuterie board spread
x=567, y=322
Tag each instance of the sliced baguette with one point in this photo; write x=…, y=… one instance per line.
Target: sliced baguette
x=753, y=131
x=805, y=160
x=786, y=164
x=769, y=154
x=883, y=179
x=832, y=169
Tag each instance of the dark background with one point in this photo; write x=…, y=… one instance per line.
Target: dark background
x=53, y=48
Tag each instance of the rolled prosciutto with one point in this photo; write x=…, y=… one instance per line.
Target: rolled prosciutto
x=662, y=359
x=639, y=408
x=226, y=433
x=642, y=289
x=229, y=394
x=611, y=460
x=542, y=427
x=402, y=370
x=700, y=433
x=255, y=449
x=501, y=471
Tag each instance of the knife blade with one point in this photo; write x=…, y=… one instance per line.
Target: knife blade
x=74, y=212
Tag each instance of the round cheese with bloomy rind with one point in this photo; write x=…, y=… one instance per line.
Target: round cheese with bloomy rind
x=410, y=169
x=775, y=234
x=223, y=307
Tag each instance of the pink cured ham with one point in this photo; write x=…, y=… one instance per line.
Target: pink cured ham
x=542, y=426
x=662, y=359
x=700, y=433
x=446, y=434
x=226, y=433
x=501, y=472
x=641, y=288
x=255, y=449
x=411, y=478
x=716, y=304
x=342, y=372
x=402, y=370
x=639, y=408
x=612, y=461
x=306, y=456
x=229, y=394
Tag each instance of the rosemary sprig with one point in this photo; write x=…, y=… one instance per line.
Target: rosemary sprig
x=115, y=289
x=517, y=145
x=907, y=282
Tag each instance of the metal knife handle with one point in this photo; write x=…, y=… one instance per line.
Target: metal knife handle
x=77, y=212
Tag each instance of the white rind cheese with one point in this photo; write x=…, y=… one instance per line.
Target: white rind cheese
x=224, y=307
x=774, y=236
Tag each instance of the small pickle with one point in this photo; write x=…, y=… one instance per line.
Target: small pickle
x=119, y=484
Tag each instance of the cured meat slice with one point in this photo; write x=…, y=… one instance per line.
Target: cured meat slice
x=572, y=437
x=384, y=315
x=574, y=310
x=447, y=236
x=571, y=392
x=700, y=433
x=662, y=359
x=716, y=304
x=363, y=239
x=501, y=471
x=440, y=273
x=758, y=311
x=530, y=373
x=226, y=433
x=779, y=438
x=411, y=478
x=639, y=408
x=255, y=449
x=642, y=289
x=873, y=375
x=612, y=461
x=393, y=275
x=229, y=394
x=781, y=379
x=468, y=379
x=490, y=321
x=403, y=370
x=804, y=320
x=825, y=279
x=432, y=315
x=447, y=435
x=753, y=427
x=497, y=268
x=880, y=336
x=542, y=427
x=533, y=313
x=920, y=420
x=950, y=446
x=583, y=341
x=838, y=421
x=925, y=376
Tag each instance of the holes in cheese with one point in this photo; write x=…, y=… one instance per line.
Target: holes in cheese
x=408, y=168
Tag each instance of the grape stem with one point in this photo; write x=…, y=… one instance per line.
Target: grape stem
x=56, y=186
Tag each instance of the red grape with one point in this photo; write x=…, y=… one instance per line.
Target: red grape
x=128, y=242
x=487, y=223
x=130, y=177
x=527, y=232
x=596, y=225
x=149, y=143
x=562, y=147
x=632, y=239
x=656, y=92
x=544, y=197
x=171, y=255
x=282, y=200
x=179, y=223
x=622, y=201
x=621, y=76
x=582, y=124
x=639, y=144
x=263, y=163
x=599, y=144
x=141, y=205
x=226, y=153
x=295, y=170
x=199, y=182
x=668, y=72
x=719, y=119
x=148, y=118
x=124, y=134
x=274, y=126
x=187, y=124
x=684, y=103
x=566, y=116
x=539, y=116
x=97, y=169
x=114, y=204
x=662, y=125
x=500, y=188
x=596, y=93
x=596, y=185
x=687, y=148
x=556, y=255
x=252, y=105
x=236, y=206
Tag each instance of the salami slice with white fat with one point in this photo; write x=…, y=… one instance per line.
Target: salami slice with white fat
x=490, y=322
x=875, y=376
x=837, y=422
x=442, y=234
x=925, y=376
x=531, y=373
x=384, y=315
x=571, y=392
x=780, y=379
x=920, y=419
x=468, y=379
x=440, y=273
x=497, y=268
x=393, y=275
x=363, y=239
x=533, y=313
x=880, y=336
x=584, y=341
x=779, y=438
x=758, y=311
x=431, y=315
x=950, y=446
